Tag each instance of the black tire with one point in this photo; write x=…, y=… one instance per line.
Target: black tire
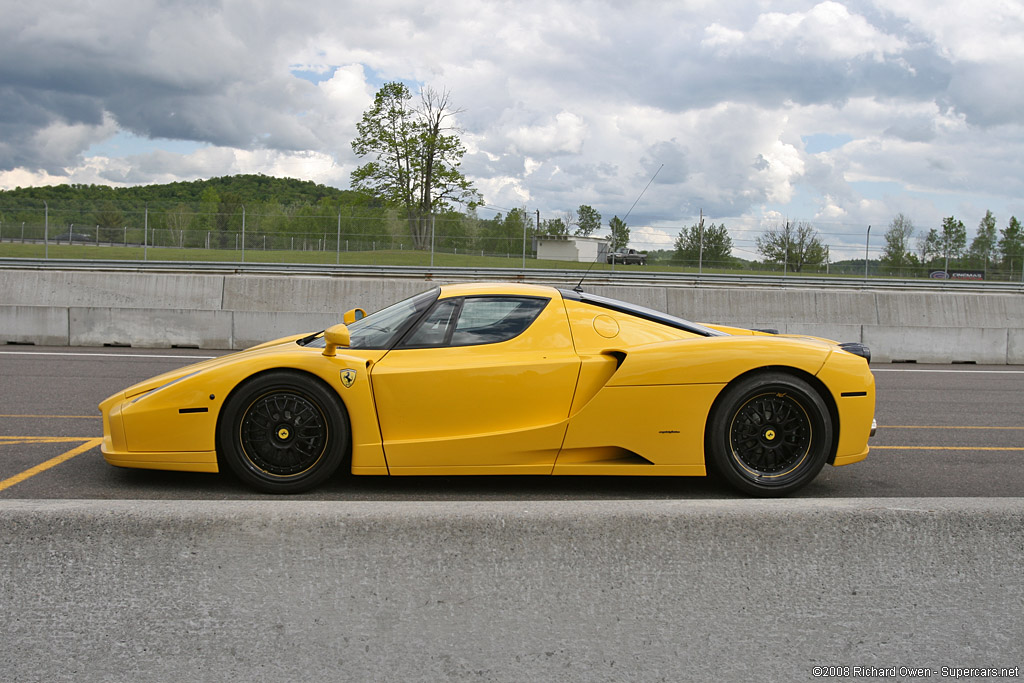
x=770, y=434
x=283, y=432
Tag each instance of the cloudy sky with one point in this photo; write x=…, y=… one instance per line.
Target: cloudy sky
x=838, y=113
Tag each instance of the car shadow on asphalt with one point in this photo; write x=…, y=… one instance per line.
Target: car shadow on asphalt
x=154, y=484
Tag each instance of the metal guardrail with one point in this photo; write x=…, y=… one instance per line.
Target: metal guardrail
x=553, y=276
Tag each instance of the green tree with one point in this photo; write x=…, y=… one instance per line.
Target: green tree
x=1011, y=244
x=504, y=236
x=984, y=243
x=110, y=219
x=620, y=234
x=930, y=246
x=415, y=156
x=710, y=245
x=587, y=220
x=953, y=239
x=898, y=255
x=178, y=221
x=793, y=245
x=209, y=200
x=555, y=226
x=229, y=207
x=453, y=232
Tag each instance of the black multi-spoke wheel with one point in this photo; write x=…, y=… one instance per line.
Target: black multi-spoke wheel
x=770, y=434
x=283, y=432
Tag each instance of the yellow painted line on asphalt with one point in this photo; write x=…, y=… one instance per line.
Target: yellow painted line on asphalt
x=53, y=462
x=175, y=356
x=59, y=417
x=41, y=439
x=946, y=448
x=941, y=427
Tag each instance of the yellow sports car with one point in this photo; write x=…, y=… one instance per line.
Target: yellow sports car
x=506, y=379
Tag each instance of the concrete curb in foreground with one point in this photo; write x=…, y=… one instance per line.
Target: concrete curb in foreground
x=496, y=591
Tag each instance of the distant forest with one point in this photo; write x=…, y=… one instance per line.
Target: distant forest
x=275, y=211
x=109, y=207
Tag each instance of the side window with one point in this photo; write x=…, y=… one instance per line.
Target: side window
x=488, y=320
x=474, y=320
x=433, y=330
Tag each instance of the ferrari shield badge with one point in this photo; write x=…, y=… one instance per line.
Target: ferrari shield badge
x=348, y=376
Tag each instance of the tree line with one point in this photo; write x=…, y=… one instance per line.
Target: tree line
x=945, y=247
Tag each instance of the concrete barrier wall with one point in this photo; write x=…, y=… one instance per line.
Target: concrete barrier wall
x=518, y=591
x=239, y=310
x=111, y=289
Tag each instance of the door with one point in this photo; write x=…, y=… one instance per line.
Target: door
x=482, y=385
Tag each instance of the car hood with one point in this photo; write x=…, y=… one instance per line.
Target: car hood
x=194, y=369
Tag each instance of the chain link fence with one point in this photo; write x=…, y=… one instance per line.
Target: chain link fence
x=357, y=237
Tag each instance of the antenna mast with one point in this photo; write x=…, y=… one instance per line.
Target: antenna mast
x=579, y=285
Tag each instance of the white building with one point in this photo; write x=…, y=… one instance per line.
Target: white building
x=571, y=248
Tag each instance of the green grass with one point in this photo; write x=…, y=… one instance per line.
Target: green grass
x=393, y=257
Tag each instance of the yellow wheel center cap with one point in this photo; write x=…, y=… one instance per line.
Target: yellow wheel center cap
x=770, y=435
x=282, y=433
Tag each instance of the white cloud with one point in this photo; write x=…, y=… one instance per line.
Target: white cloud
x=564, y=102
x=652, y=238
x=562, y=135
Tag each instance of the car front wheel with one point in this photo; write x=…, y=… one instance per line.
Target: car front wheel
x=283, y=432
x=770, y=434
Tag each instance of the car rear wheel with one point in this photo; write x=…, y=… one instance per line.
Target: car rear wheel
x=770, y=434
x=283, y=432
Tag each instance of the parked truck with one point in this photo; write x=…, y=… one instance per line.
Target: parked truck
x=629, y=257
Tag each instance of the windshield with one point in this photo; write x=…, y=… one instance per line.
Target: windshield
x=382, y=329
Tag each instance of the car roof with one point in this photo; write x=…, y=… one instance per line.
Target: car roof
x=497, y=289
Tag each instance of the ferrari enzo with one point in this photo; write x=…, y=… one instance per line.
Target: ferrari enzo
x=506, y=379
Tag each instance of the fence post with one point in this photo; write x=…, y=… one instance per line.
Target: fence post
x=867, y=242
x=524, y=242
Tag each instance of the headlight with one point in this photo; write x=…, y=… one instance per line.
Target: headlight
x=857, y=349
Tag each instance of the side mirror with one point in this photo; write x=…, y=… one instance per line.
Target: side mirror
x=353, y=315
x=335, y=336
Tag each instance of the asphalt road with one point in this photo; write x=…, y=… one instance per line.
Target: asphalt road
x=943, y=431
